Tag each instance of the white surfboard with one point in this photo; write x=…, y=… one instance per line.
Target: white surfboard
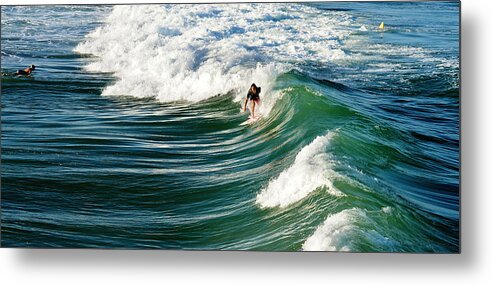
x=251, y=120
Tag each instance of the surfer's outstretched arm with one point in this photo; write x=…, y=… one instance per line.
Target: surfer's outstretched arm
x=245, y=103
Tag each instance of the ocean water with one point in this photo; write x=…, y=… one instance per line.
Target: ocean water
x=128, y=134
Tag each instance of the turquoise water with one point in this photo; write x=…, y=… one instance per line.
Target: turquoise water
x=129, y=135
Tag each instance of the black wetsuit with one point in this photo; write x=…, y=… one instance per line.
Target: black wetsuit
x=254, y=96
x=22, y=72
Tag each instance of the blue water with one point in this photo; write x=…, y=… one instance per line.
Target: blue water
x=129, y=133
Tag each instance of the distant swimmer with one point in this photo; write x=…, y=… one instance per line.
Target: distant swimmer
x=254, y=96
x=26, y=71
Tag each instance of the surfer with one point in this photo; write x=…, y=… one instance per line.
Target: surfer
x=26, y=71
x=254, y=96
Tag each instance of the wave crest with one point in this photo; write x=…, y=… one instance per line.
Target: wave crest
x=334, y=233
x=193, y=52
x=347, y=230
x=311, y=170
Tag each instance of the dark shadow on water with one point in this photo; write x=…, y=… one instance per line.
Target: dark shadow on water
x=306, y=262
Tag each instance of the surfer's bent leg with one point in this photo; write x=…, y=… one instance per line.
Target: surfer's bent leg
x=253, y=107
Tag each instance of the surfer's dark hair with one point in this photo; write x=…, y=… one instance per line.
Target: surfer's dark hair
x=258, y=89
x=33, y=66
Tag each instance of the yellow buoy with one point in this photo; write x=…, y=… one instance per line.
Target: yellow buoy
x=381, y=26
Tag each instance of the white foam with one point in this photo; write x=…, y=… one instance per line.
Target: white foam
x=387, y=210
x=193, y=52
x=343, y=231
x=311, y=170
x=335, y=233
